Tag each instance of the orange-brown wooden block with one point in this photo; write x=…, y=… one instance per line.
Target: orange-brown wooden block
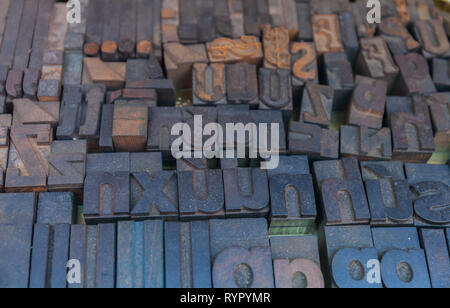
x=130, y=124
x=225, y=50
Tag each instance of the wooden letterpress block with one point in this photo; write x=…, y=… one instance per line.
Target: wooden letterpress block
x=342, y=192
x=161, y=121
x=431, y=35
x=288, y=12
x=179, y=60
x=5, y=124
x=349, y=36
x=347, y=249
x=189, y=114
x=236, y=15
x=106, y=196
x=108, y=162
x=140, y=251
x=59, y=25
x=187, y=270
x=363, y=28
x=400, y=247
x=52, y=72
x=305, y=31
x=231, y=249
x=242, y=84
x=275, y=91
x=73, y=68
x=111, y=31
x=16, y=236
x=437, y=257
x=402, y=11
x=56, y=208
x=4, y=70
x=397, y=36
x=291, y=165
x=330, y=6
x=296, y=262
x=414, y=75
x=256, y=14
x=31, y=83
x=209, y=84
x=94, y=27
x=326, y=31
x=50, y=250
x=246, y=192
x=188, y=30
x=419, y=10
x=412, y=131
x=155, y=70
x=14, y=82
x=106, y=126
x=11, y=32
x=292, y=198
x=197, y=200
x=338, y=75
x=417, y=173
x=391, y=170
x=441, y=74
x=74, y=42
x=27, y=164
x=276, y=137
x=95, y=248
x=234, y=114
x=137, y=69
x=368, y=103
x=67, y=166
x=317, y=105
x=4, y=13
x=49, y=90
x=245, y=49
x=170, y=20
x=31, y=112
x=304, y=67
x=276, y=48
x=313, y=140
x=366, y=143
x=439, y=104
x=165, y=90
x=375, y=60
x=130, y=127
x=111, y=74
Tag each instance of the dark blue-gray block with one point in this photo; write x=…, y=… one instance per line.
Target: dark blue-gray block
x=292, y=165
x=386, y=239
x=56, y=208
x=435, y=245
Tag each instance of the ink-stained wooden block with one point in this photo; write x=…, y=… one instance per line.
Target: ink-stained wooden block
x=27, y=163
x=291, y=165
x=349, y=36
x=31, y=83
x=209, y=84
x=154, y=195
x=246, y=192
x=276, y=42
x=392, y=170
x=161, y=121
x=256, y=14
x=304, y=67
x=4, y=6
x=366, y=143
x=74, y=42
x=363, y=27
x=368, y=103
x=94, y=27
x=242, y=84
x=170, y=20
x=56, y=208
x=50, y=251
x=400, y=248
x=414, y=75
x=284, y=14
x=179, y=60
x=412, y=131
x=375, y=60
x=67, y=166
x=397, y=36
x=292, y=198
x=439, y=104
x=326, y=31
x=235, y=242
x=58, y=27
x=106, y=196
x=330, y=6
x=111, y=31
x=5, y=125
x=342, y=192
x=73, y=68
x=235, y=12
x=106, y=125
x=296, y=262
x=11, y=32
x=313, y=140
x=305, y=31
x=111, y=74
x=130, y=127
x=165, y=90
x=417, y=173
x=347, y=248
x=441, y=74
x=275, y=91
x=14, y=82
x=201, y=194
x=276, y=131
x=245, y=49
x=338, y=75
x=438, y=260
x=95, y=248
x=108, y=162
x=317, y=105
x=433, y=38
x=189, y=116
x=27, y=111
x=4, y=71
x=145, y=27
x=49, y=90
x=140, y=250
x=187, y=255
x=17, y=213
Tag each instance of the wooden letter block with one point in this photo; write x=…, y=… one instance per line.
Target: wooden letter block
x=246, y=192
x=276, y=48
x=241, y=253
x=31, y=83
x=296, y=262
x=110, y=74
x=441, y=74
x=342, y=192
x=187, y=256
x=412, y=131
x=397, y=36
x=414, y=75
x=437, y=257
x=291, y=165
x=349, y=36
x=368, y=103
x=375, y=60
x=209, y=84
x=49, y=90
x=242, y=84
x=275, y=91
x=14, y=83
x=5, y=125
x=431, y=35
x=313, y=140
x=304, y=67
x=27, y=165
x=140, y=251
x=130, y=126
x=56, y=208
x=161, y=121
x=317, y=105
x=305, y=31
x=439, y=104
x=366, y=143
x=363, y=28
x=327, y=36
x=245, y=49
x=31, y=112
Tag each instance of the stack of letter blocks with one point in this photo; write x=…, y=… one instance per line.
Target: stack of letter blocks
x=88, y=180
